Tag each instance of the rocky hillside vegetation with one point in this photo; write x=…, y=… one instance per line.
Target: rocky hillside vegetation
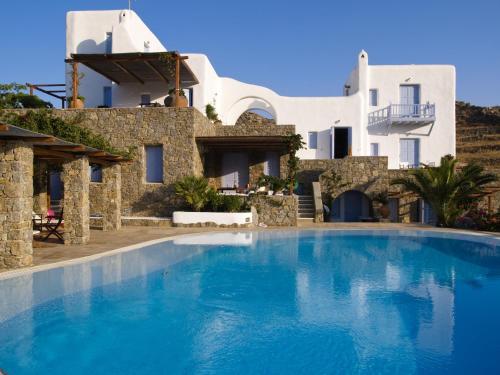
x=478, y=135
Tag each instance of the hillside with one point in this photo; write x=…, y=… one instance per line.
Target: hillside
x=478, y=135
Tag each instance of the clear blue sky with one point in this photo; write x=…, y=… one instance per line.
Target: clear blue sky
x=294, y=47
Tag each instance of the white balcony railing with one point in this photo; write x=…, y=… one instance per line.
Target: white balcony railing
x=403, y=113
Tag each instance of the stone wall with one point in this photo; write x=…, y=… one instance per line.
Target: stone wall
x=275, y=210
x=76, y=179
x=112, y=197
x=16, y=205
x=174, y=128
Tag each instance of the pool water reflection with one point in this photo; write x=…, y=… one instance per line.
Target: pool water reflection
x=263, y=302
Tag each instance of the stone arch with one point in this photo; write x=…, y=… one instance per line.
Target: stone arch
x=247, y=104
x=351, y=206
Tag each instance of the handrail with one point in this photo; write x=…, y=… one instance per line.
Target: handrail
x=402, y=112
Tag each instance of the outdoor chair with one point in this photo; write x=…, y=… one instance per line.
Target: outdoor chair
x=52, y=228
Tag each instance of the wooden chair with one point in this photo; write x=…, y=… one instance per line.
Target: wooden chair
x=52, y=228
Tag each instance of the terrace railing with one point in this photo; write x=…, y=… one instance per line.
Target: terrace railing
x=403, y=113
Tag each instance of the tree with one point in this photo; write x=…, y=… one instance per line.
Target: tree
x=450, y=192
x=12, y=96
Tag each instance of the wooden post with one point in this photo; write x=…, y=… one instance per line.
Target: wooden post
x=31, y=90
x=177, y=78
x=75, y=85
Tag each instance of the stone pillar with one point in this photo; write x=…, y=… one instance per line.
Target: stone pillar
x=76, y=179
x=112, y=197
x=16, y=205
x=40, y=194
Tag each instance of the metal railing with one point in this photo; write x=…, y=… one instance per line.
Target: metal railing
x=403, y=113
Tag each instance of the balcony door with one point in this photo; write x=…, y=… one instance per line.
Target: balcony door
x=409, y=98
x=235, y=170
x=409, y=153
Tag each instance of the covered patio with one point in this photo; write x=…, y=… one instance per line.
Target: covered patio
x=25, y=159
x=237, y=162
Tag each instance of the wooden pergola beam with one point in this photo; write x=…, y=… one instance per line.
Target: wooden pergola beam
x=41, y=151
x=127, y=71
x=101, y=73
x=157, y=71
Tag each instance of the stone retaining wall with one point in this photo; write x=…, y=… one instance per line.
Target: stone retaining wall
x=276, y=210
x=16, y=205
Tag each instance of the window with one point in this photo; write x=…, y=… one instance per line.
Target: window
x=145, y=99
x=373, y=97
x=95, y=173
x=313, y=140
x=107, y=97
x=373, y=149
x=154, y=163
x=409, y=153
x=109, y=42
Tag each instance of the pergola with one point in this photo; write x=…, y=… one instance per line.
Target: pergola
x=137, y=67
x=19, y=150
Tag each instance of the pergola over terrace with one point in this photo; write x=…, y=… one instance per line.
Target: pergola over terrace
x=138, y=67
x=20, y=149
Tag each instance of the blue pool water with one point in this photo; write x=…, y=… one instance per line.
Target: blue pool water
x=311, y=302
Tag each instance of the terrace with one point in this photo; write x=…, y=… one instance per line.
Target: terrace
x=403, y=114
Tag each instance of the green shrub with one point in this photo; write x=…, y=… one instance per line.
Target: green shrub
x=232, y=203
x=194, y=191
x=215, y=201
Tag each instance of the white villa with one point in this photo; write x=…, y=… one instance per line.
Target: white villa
x=404, y=112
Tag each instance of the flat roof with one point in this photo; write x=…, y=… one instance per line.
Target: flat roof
x=50, y=147
x=136, y=67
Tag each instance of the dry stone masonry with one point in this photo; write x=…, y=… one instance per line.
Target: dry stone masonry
x=76, y=179
x=16, y=205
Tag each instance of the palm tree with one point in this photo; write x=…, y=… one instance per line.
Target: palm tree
x=450, y=192
x=194, y=190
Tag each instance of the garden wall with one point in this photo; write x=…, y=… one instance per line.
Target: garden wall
x=275, y=210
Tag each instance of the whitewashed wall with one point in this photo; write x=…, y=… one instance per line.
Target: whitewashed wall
x=86, y=32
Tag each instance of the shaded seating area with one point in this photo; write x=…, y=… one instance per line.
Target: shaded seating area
x=26, y=161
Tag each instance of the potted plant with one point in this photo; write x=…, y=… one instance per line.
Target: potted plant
x=170, y=99
x=212, y=114
x=79, y=102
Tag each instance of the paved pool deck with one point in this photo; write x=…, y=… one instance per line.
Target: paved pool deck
x=53, y=252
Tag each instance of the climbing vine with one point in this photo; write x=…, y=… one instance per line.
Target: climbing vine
x=295, y=144
x=44, y=121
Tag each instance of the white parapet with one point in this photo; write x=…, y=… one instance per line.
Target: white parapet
x=218, y=218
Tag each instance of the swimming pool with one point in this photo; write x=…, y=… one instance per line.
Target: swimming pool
x=311, y=301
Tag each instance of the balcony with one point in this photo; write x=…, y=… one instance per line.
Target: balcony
x=403, y=114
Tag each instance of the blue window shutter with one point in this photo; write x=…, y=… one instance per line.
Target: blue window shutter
x=403, y=151
x=109, y=42
x=154, y=163
x=373, y=149
x=107, y=96
x=373, y=97
x=416, y=151
x=95, y=173
x=313, y=140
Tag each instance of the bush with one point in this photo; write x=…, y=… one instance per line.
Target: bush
x=232, y=203
x=215, y=201
x=479, y=219
x=194, y=191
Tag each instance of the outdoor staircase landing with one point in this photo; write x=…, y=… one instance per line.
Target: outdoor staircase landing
x=306, y=207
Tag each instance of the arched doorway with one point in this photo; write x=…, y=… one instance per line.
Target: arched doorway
x=351, y=206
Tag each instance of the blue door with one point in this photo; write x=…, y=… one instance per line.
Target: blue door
x=409, y=98
x=409, y=152
x=235, y=173
x=272, y=164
